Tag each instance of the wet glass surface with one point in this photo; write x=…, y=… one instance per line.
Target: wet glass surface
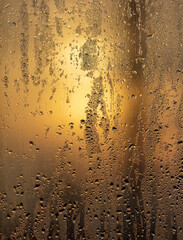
x=91, y=119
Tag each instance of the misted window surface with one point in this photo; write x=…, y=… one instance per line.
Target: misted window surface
x=91, y=115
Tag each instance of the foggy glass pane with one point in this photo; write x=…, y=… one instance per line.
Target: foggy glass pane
x=91, y=114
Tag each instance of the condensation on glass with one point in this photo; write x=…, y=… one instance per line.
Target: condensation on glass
x=91, y=135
